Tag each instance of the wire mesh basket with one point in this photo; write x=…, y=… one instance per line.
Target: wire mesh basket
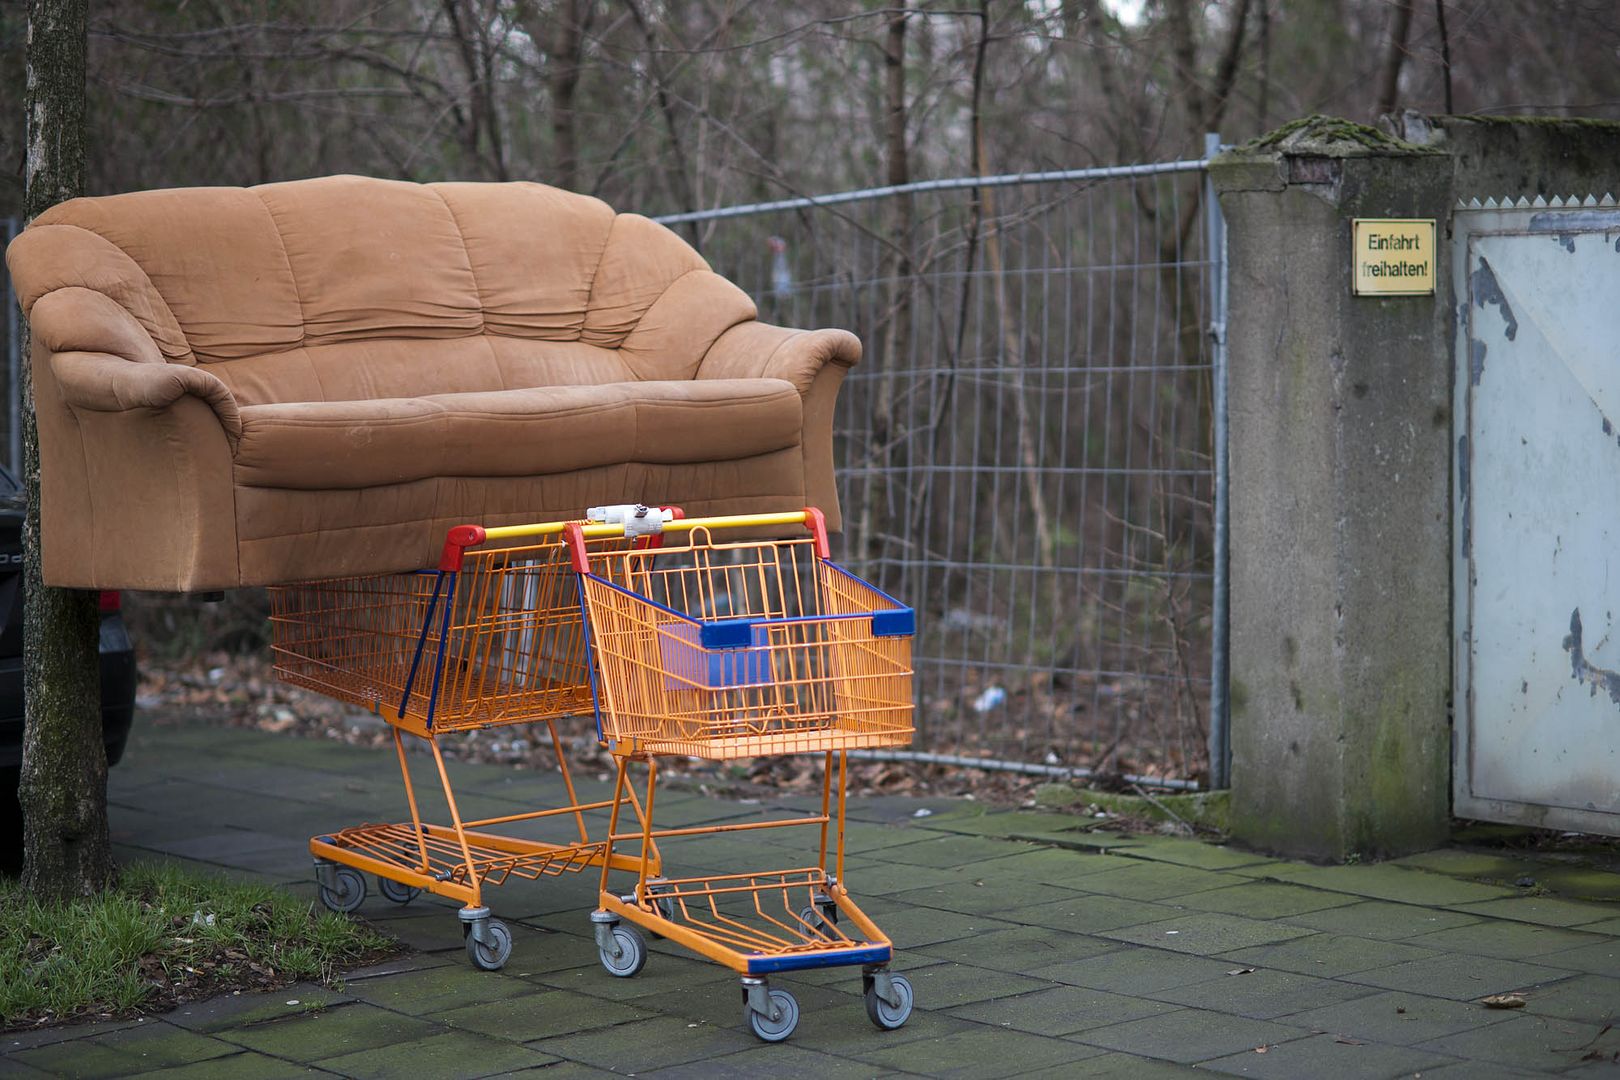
x=725, y=648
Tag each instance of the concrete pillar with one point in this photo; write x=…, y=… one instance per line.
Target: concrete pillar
x=1340, y=520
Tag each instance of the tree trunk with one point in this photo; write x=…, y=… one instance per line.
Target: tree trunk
x=567, y=50
x=64, y=767
x=1389, y=82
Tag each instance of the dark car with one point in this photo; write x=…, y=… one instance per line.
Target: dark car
x=118, y=676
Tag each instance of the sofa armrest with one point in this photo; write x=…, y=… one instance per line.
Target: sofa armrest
x=103, y=383
x=756, y=350
x=105, y=361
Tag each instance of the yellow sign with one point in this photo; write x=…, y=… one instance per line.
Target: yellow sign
x=1393, y=256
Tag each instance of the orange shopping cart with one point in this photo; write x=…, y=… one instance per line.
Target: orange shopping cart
x=725, y=647
x=491, y=637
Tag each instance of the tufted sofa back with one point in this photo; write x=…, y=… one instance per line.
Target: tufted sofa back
x=286, y=293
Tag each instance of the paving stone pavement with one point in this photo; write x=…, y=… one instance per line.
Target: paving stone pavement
x=1036, y=949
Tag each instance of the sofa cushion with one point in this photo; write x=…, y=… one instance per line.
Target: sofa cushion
x=530, y=432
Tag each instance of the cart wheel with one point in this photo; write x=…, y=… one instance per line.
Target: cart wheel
x=888, y=1017
x=820, y=917
x=396, y=891
x=787, y=1017
x=349, y=893
x=490, y=957
x=632, y=953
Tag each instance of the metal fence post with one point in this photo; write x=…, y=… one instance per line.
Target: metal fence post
x=1220, y=748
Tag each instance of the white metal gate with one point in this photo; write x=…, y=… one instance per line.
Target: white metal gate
x=1537, y=496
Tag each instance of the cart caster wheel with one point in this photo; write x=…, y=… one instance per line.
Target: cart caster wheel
x=819, y=917
x=885, y=1016
x=665, y=903
x=398, y=893
x=490, y=957
x=779, y=1027
x=347, y=893
x=632, y=953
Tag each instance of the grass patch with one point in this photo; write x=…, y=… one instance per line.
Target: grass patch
x=161, y=936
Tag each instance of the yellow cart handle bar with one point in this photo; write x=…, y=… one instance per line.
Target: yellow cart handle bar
x=575, y=534
x=462, y=537
x=638, y=521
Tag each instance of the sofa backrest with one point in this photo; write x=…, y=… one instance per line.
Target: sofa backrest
x=350, y=287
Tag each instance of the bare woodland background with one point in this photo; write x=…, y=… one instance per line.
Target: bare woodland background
x=1038, y=355
x=684, y=104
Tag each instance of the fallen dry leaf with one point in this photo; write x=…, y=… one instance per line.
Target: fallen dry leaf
x=1261, y=1049
x=1241, y=971
x=1503, y=1001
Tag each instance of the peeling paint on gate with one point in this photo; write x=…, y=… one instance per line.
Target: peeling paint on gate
x=1487, y=291
x=1583, y=672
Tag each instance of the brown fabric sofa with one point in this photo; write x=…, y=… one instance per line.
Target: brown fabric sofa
x=239, y=386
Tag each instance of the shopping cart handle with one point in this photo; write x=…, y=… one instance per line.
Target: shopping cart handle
x=456, y=544
x=812, y=519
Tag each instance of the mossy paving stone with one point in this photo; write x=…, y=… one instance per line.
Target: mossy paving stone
x=539, y=1015
x=644, y=1045
x=13, y=1069
x=1507, y=940
x=561, y=1070
x=455, y=1054
x=1331, y=956
x=662, y=975
x=1085, y=841
x=1134, y=971
x=1398, y=1018
x=1479, y=1070
x=942, y=986
x=1580, y=883
x=1114, y=1066
x=871, y=876
x=157, y=1044
x=953, y=851
x=976, y=1052
x=1019, y=949
x=1608, y=928
x=1537, y=1043
x=1473, y=865
x=988, y=898
x=1380, y=919
x=1060, y=867
x=1542, y=910
x=1599, y=959
x=1261, y=994
x=1188, y=1035
x=1089, y=914
x=1062, y=1010
x=1585, y=997
x=911, y=927
x=13, y=1041
x=1003, y=824
x=239, y=1010
x=451, y=986
x=1156, y=881
x=83, y=1059
x=1206, y=933
x=1196, y=853
x=247, y=1065
x=1329, y=1056
x=1265, y=900
x=432, y=930
x=331, y=1033
x=720, y=1004
x=1390, y=882
x=784, y=1061
x=1461, y=978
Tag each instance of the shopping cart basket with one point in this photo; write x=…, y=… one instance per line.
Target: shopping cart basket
x=724, y=648
x=491, y=637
